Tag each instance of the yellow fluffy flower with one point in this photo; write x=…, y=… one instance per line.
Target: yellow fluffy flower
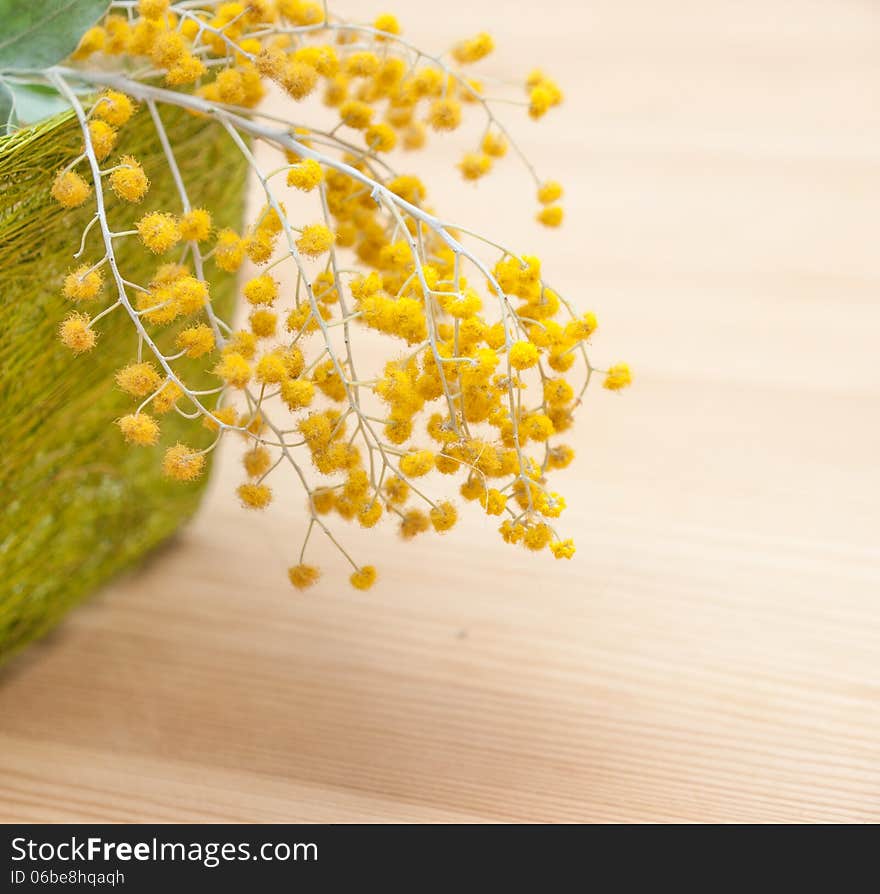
x=261, y=290
x=364, y=577
x=475, y=165
x=356, y=114
x=380, y=137
x=315, y=239
x=195, y=225
x=305, y=175
x=445, y=114
x=387, y=23
x=138, y=379
x=182, y=463
x=139, y=428
x=229, y=251
x=234, y=370
x=417, y=463
x=255, y=496
x=103, y=138
x=550, y=191
x=369, y=514
x=474, y=49
x=263, y=323
x=523, y=355
x=128, y=180
x=443, y=516
x=196, y=341
x=494, y=144
x=158, y=231
x=617, y=377
x=562, y=549
x=83, y=284
x=69, y=189
x=302, y=576
x=76, y=333
x=550, y=216
x=113, y=107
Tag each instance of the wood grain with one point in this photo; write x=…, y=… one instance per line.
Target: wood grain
x=713, y=651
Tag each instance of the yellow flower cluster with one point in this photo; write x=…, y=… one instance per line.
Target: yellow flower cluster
x=477, y=382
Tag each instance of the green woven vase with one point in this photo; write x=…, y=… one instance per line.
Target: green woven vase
x=77, y=505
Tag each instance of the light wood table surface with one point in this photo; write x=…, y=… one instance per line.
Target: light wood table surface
x=713, y=651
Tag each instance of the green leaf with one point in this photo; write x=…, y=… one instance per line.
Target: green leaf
x=33, y=102
x=39, y=33
x=7, y=116
x=22, y=105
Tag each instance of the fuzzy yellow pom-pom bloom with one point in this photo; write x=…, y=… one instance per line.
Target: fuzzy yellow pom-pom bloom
x=138, y=379
x=356, y=114
x=261, y=290
x=323, y=500
x=443, y=517
x=69, y=189
x=128, y=180
x=196, y=341
x=474, y=49
x=315, y=239
x=167, y=398
x=369, y=514
x=302, y=576
x=139, y=428
x=153, y=9
x=263, y=323
x=550, y=216
x=562, y=549
x=305, y=175
x=523, y=355
x=229, y=251
x=494, y=144
x=380, y=137
x=550, y=191
x=254, y=496
x=182, y=463
x=271, y=369
x=495, y=502
x=195, y=225
x=363, y=578
x=91, y=42
x=83, y=284
x=416, y=464
x=413, y=522
x=158, y=231
x=475, y=165
x=114, y=107
x=234, y=370
x=299, y=79
x=297, y=393
x=617, y=377
x=257, y=461
x=581, y=328
x=102, y=137
x=76, y=333
x=387, y=23
x=185, y=70
x=445, y=114
x=396, y=490
x=537, y=536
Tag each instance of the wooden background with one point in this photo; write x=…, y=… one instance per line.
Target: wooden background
x=713, y=652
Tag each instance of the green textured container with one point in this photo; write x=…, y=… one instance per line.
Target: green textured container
x=77, y=505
